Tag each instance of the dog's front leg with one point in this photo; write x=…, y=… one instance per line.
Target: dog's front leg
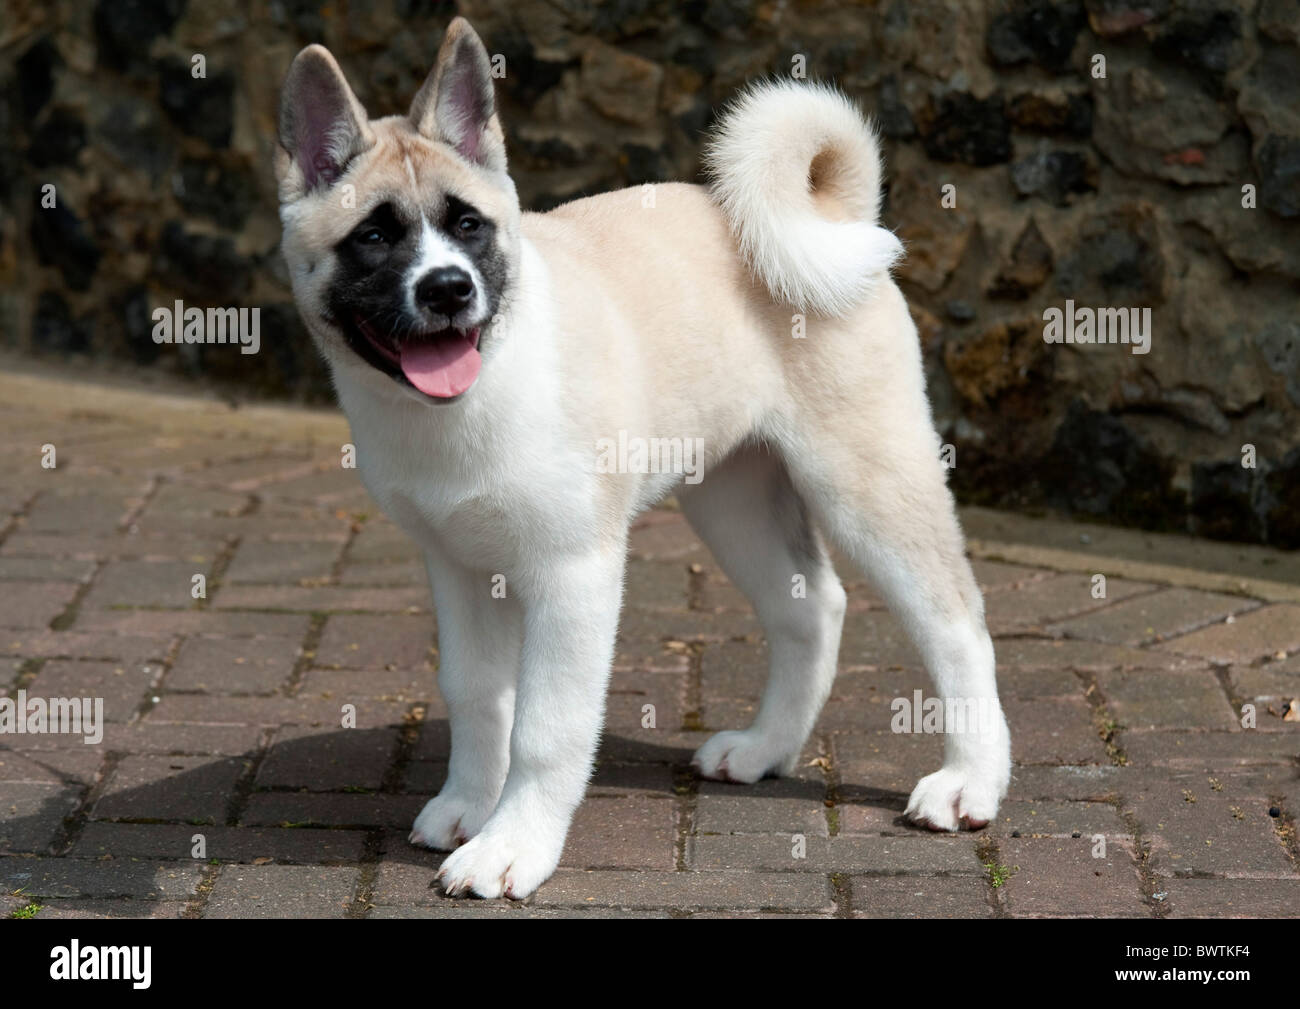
x=570, y=620
x=479, y=640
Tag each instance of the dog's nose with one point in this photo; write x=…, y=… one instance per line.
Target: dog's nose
x=445, y=290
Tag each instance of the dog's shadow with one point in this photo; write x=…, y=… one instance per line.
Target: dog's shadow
x=245, y=816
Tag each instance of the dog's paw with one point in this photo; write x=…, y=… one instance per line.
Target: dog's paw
x=741, y=757
x=448, y=821
x=952, y=799
x=498, y=865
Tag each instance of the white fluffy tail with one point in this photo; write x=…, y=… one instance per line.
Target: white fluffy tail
x=796, y=171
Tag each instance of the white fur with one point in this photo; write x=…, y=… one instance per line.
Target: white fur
x=759, y=163
x=437, y=250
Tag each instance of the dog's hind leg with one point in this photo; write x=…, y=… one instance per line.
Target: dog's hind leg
x=752, y=519
x=874, y=479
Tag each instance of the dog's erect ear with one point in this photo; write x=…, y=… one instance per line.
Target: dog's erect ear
x=456, y=105
x=322, y=125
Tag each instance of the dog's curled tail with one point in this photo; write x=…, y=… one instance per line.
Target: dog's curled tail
x=795, y=170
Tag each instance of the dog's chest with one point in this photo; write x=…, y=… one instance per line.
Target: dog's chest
x=485, y=509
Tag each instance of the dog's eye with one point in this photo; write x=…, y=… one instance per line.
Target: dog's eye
x=371, y=236
x=467, y=225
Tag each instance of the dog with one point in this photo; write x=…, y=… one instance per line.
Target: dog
x=482, y=355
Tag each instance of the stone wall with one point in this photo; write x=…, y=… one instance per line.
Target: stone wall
x=1113, y=187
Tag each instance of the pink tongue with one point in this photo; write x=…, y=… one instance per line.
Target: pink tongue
x=445, y=368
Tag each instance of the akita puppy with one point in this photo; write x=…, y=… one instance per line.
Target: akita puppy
x=483, y=354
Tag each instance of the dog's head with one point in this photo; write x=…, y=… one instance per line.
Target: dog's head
x=401, y=234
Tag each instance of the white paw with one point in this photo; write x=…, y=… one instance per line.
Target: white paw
x=952, y=798
x=499, y=864
x=448, y=821
x=742, y=757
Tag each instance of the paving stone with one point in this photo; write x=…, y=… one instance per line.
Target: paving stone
x=81, y=510
x=165, y=622
x=399, y=686
x=424, y=777
x=331, y=809
x=646, y=714
x=664, y=537
x=733, y=669
x=916, y=853
x=702, y=890
x=1031, y=683
x=45, y=569
x=281, y=891
x=121, y=648
x=233, y=665
x=715, y=594
x=1153, y=617
x=274, y=711
x=920, y=897
x=129, y=545
x=1040, y=602
x=193, y=502
x=1088, y=782
x=614, y=780
x=122, y=687
x=880, y=815
x=383, y=541
x=658, y=585
x=194, y=720
x=123, y=907
x=328, y=599
x=328, y=760
x=649, y=747
x=1053, y=731
x=1261, y=633
x=78, y=877
x=282, y=563
x=399, y=574
x=72, y=765
x=641, y=628
x=876, y=638
x=994, y=576
x=1195, y=830
x=193, y=789
x=1040, y=653
x=1232, y=898
x=1049, y=875
x=248, y=474
x=782, y=805
x=1211, y=747
x=33, y=604
x=1152, y=700
x=147, y=583
x=871, y=763
x=1058, y=819
x=628, y=833
x=357, y=641
x=225, y=844
x=183, y=738
x=31, y=814
x=1271, y=685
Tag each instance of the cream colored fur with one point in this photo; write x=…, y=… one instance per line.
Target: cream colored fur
x=644, y=315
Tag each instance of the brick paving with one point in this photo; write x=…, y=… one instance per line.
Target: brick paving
x=227, y=785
